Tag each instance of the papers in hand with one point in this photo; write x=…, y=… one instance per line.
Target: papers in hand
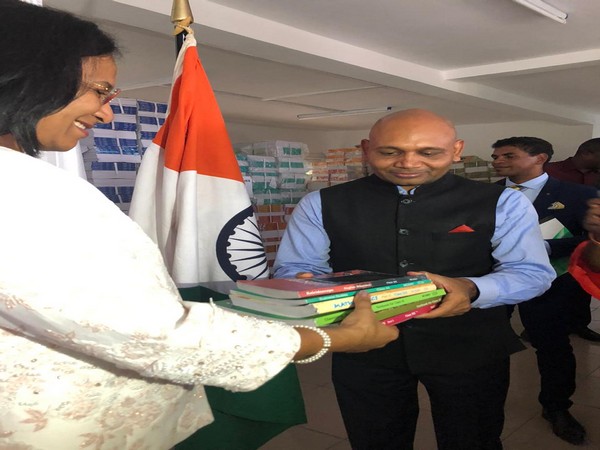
x=554, y=229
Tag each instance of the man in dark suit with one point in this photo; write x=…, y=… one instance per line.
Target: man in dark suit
x=581, y=168
x=412, y=215
x=521, y=160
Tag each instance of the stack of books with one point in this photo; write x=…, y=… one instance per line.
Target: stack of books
x=326, y=299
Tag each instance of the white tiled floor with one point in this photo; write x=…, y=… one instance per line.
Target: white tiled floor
x=524, y=428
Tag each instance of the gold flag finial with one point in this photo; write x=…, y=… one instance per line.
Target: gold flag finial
x=181, y=15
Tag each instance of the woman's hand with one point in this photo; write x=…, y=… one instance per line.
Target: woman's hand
x=359, y=331
x=363, y=329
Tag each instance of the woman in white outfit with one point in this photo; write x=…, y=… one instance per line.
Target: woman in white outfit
x=98, y=349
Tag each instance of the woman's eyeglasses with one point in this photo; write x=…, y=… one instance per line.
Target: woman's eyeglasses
x=105, y=93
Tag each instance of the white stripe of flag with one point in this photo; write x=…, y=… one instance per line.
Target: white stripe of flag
x=189, y=194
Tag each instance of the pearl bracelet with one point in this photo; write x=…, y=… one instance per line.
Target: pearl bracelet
x=320, y=353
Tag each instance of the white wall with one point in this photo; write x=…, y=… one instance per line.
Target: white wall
x=478, y=138
x=565, y=139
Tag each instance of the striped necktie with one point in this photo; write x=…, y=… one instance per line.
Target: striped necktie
x=517, y=187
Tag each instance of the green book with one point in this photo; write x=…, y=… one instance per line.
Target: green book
x=320, y=320
x=402, y=302
x=391, y=312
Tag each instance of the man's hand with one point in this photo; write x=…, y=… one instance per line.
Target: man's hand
x=304, y=275
x=591, y=222
x=457, y=301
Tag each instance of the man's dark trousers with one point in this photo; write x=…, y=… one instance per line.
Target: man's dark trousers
x=545, y=319
x=383, y=415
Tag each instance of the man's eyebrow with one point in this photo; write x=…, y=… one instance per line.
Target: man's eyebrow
x=391, y=147
x=388, y=147
x=433, y=148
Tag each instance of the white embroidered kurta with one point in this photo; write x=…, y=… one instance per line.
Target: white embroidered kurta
x=96, y=348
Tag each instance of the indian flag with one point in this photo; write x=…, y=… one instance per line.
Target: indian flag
x=189, y=194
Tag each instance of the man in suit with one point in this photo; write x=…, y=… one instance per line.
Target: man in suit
x=581, y=168
x=521, y=160
x=410, y=216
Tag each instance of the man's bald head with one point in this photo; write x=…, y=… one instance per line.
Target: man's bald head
x=413, y=118
x=412, y=147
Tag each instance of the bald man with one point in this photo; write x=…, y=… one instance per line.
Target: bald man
x=411, y=215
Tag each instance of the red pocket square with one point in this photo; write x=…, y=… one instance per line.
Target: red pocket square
x=462, y=229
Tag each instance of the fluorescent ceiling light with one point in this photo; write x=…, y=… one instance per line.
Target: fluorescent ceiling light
x=350, y=112
x=545, y=9
x=306, y=94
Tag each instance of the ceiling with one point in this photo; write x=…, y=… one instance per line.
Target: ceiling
x=475, y=61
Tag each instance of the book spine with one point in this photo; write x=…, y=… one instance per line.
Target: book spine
x=322, y=298
x=384, y=314
x=328, y=319
x=396, y=282
x=394, y=303
x=333, y=305
x=318, y=321
x=403, y=317
x=382, y=296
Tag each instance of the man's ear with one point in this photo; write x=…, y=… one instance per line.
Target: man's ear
x=364, y=144
x=459, y=146
x=542, y=158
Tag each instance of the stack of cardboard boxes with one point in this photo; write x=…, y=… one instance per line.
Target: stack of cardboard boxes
x=275, y=173
x=339, y=166
x=112, y=155
x=475, y=168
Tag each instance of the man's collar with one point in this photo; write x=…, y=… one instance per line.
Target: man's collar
x=535, y=183
x=446, y=179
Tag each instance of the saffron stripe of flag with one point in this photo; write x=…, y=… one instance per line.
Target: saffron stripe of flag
x=189, y=195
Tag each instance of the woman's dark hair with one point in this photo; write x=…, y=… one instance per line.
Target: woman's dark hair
x=41, y=56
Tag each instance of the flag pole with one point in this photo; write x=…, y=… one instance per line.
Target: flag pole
x=181, y=17
x=191, y=162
